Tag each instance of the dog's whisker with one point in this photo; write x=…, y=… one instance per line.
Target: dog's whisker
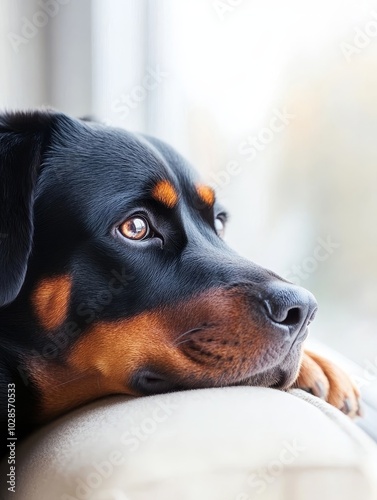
x=182, y=342
x=193, y=330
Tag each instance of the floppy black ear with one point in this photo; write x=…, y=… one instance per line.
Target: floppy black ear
x=23, y=137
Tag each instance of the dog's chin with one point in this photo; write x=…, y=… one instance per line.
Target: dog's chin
x=282, y=376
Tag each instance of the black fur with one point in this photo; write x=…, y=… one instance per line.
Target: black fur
x=22, y=138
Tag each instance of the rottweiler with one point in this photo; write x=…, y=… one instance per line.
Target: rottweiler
x=115, y=279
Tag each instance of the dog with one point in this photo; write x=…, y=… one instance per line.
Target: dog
x=115, y=279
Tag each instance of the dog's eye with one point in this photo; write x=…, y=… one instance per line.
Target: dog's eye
x=220, y=226
x=135, y=228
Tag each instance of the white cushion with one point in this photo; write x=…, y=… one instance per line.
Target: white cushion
x=236, y=443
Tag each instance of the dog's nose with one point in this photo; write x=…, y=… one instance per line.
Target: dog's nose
x=290, y=306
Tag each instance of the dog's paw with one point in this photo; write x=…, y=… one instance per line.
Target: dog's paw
x=324, y=379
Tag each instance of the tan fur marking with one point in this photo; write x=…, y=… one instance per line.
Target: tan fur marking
x=106, y=358
x=165, y=193
x=327, y=380
x=206, y=194
x=51, y=300
x=310, y=375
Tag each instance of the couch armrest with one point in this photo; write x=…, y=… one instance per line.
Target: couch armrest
x=235, y=443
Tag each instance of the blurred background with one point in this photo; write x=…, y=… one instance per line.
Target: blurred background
x=274, y=102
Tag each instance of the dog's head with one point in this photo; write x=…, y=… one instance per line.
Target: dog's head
x=115, y=277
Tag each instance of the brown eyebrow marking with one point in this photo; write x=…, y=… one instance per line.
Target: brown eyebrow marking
x=165, y=193
x=51, y=301
x=206, y=194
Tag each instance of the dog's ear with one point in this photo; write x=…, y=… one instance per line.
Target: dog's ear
x=23, y=138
